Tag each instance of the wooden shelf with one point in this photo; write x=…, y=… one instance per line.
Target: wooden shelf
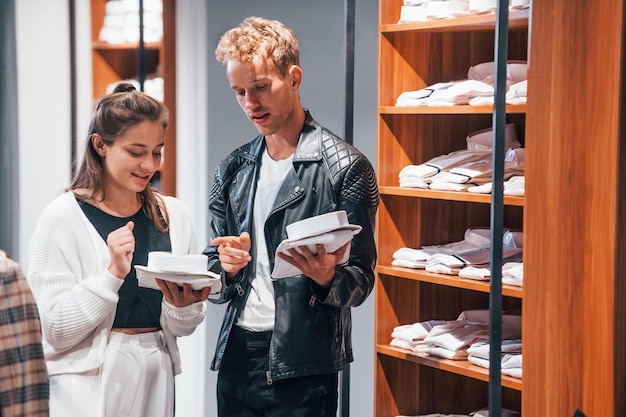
x=464, y=368
x=447, y=280
x=448, y=195
x=102, y=46
x=448, y=110
x=517, y=19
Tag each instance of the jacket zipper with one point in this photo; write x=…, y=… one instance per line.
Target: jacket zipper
x=239, y=288
x=268, y=374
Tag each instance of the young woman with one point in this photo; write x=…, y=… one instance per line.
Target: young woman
x=109, y=344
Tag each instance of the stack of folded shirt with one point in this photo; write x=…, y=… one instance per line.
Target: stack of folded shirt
x=121, y=21
x=451, y=93
x=412, y=258
x=489, y=6
x=466, y=169
x=473, y=174
x=514, y=187
x=519, y=4
x=468, y=258
x=437, y=415
x=411, y=336
x=480, y=413
x=479, y=259
x=516, y=72
x=451, y=258
x=516, y=82
x=452, y=339
x=413, y=11
x=420, y=176
x=417, y=258
x=424, y=10
x=515, y=95
x=478, y=353
x=476, y=90
x=446, y=9
x=512, y=365
x=511, y=273
x=460, y=338
x=513, y=181
x=504, y=413
x=482, y=140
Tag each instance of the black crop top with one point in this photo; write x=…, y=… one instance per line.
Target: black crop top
x=137, y=307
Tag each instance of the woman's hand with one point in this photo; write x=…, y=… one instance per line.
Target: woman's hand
x=181, y=297
x=121, y=243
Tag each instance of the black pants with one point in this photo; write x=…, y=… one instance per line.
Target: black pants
x=242, y=389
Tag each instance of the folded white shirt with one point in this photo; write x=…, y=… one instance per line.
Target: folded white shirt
x=411, y=254
x=444, y=9
x=476, y=273
x=481, y=140
x=515, y=95
x=431, y=167
x=516, y=71
x=461, y=92
x=519, y=4
x=480, y=256
x=416, y=331
x=509, y=346
x=504, y=413
x=514, y=186
x=332, y=241
x=436, y=415
x=511, y=365
x=513, y=273
x=413, y=13
x=511, y=360
x=419, y=97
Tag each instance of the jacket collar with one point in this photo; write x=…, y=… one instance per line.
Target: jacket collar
x=309, y=145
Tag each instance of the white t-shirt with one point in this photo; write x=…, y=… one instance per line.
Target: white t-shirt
x=258, y=313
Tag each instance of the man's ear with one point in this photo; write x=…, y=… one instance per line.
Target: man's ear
x=295, y=76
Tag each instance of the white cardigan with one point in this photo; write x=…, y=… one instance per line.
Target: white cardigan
x=77, y=295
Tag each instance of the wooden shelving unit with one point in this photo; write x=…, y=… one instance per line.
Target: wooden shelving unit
x=414, y=56
x=573, y=214
x=116, y=62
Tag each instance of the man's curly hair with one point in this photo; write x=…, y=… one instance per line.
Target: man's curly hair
x=265, y=38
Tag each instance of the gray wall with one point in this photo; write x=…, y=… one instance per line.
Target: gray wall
x=9, y=191
x=319, y=27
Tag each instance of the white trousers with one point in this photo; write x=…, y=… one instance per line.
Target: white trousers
x=136, y=380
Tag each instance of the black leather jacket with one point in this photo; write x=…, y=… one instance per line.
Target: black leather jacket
x=312, y=328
